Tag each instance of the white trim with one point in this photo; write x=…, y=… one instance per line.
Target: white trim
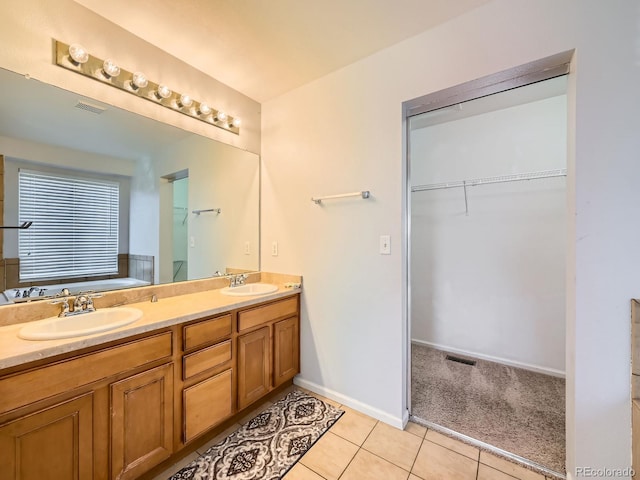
x=504, y=361
x=397, y=422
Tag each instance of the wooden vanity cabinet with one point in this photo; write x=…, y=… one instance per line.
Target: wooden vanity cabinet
x=286, y=350
x=50, y=444
x=254, y=366
x=268, y=348
x=104, y=414
x=116, y=411
x=207, y=375
x=141, y=422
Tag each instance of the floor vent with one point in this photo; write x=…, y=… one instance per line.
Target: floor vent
x=466, y=361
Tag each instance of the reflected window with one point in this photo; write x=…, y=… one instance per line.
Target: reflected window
x=75, y=226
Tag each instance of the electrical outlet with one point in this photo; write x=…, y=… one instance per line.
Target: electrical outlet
x=385, y=244
x=274, y=249
x=247, y=248
x=192, y=241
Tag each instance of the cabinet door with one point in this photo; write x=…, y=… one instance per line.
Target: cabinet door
x=206, y=404
x=286, y=357
x=141, y=422
x=55, y=443
x=254, y=366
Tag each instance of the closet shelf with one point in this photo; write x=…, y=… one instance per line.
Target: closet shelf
x=518, y=177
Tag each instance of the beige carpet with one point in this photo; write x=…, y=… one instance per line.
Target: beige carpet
x=513, y=409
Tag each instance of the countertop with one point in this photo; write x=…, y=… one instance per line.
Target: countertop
x=163, y=313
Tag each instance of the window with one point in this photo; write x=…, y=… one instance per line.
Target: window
x=75, y=226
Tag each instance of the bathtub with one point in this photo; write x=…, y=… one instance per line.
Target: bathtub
x=74, y=288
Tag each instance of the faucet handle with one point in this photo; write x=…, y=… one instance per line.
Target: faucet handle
x=65, y=305
x=63, y=293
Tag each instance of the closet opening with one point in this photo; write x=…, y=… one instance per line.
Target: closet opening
x=486, y=243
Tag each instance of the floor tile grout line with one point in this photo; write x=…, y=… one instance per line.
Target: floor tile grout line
x=387, y=460
x=452, y=450
x=357, y=451
x=413, y=464
x=308, y=468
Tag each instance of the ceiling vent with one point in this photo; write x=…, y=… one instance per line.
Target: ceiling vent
x=90, y=108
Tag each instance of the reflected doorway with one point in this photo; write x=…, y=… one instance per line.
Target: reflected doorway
x=180, y=229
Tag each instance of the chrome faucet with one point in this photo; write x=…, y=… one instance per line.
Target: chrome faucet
x=237, y=280
x=63, y=298
x=84, y=302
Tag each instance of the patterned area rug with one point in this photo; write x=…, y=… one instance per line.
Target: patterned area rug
x=269, y=445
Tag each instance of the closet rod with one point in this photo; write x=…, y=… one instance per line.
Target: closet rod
x=562, y=172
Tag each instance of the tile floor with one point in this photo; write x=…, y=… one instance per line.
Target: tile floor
x=359, y=447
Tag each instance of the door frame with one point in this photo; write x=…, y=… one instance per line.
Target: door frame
x=533, y=72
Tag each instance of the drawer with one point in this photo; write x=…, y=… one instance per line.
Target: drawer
x=24, y=388
x=206, y=404
x=206, y=331
x=251, y=318
x=205, y=359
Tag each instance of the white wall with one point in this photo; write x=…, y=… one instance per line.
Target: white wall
x=27, y=28
x=491, y=283
x=222, y=177
x=344, y=132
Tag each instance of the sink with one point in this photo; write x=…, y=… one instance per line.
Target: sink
x=78, y=325
x=249, y=289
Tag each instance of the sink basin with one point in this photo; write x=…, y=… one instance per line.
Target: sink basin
x=79, y=325
x=249, y=289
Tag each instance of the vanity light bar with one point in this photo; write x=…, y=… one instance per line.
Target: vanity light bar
x=76, y=58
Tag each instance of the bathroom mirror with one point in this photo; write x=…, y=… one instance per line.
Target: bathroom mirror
x=188, y=205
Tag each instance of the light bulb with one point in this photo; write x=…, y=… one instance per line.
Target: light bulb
x=78, y=54
x=236, y=122
x=139, y=80
x=221, y=116
x=110, y=68
x=204, y=109
x=185, y=100
x=163, y=91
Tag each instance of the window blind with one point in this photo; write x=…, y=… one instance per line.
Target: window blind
x=75, y=226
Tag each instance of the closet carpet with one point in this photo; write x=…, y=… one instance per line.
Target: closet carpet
x=517, y=410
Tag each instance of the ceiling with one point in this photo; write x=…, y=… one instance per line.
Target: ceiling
x=266, y=48
x=35, y=111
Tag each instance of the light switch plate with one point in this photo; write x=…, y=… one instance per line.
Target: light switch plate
x=385, y=244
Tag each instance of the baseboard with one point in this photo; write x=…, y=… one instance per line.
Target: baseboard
x=534, y=368
x=398, y=422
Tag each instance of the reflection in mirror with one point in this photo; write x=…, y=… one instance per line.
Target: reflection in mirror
x=187, y=206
